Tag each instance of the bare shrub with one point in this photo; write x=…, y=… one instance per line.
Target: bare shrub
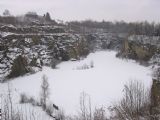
x=7, y=106
x=92, y=64
x=99, y=114
x=49, y=109
x=85, y=107
x=33, y=101
x=27, y=99
x=86, y=66
x=13, y=111
x=54, y=62
x=83, y=67
x=61, y=115
x=24, y=98
x=135, y=103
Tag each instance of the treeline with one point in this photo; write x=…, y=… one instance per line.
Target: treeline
x=8, y=20
x=139, y=28
x=28, y=18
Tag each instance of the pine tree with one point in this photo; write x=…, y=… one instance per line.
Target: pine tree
x=48, y=17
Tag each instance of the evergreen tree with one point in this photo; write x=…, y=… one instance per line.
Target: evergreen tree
x=48, y=17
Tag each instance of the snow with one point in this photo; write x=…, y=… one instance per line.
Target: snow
x=104, y=82
x=5, y=34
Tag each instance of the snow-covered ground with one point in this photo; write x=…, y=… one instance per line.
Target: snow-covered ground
x=104, y=82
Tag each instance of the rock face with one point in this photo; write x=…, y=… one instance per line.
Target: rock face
x=42, y=48
x=155, y=100
x=111, y=41
x=141, y=48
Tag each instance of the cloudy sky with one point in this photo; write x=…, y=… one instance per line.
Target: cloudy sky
x=128, y=10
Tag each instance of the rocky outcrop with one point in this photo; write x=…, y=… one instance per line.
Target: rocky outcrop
x=39, y=49
x=140, y=48
x=32, y=29
x=155, y=100
x=110, y=41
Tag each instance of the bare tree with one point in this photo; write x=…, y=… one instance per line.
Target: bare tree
x=44, y=94
x=12, y=111
x=6, y=13
x=135, y=103
x=10, y=100
x=7, y=106
x=85, y=107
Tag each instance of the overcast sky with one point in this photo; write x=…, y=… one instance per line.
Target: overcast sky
x=128, y=10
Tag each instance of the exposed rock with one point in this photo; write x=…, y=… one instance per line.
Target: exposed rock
x=39, y=49
x=138, y=49
x=155, y=100
x=110, y=41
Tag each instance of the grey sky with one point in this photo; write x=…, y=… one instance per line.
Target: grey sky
x=128, y=10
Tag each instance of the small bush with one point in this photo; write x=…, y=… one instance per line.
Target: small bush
x=54, y=62
x=24, y=98
x=33, y=101
x=83, y=67
x=49, y=109
x=99, y=114
x=86, y=66
x=61, y=115
x=92, y=64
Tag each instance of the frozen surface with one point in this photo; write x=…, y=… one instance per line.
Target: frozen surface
x=104, y=82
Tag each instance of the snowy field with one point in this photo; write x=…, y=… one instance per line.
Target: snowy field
x=104, y=82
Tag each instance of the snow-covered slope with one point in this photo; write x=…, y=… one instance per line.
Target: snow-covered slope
x=103, y=82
